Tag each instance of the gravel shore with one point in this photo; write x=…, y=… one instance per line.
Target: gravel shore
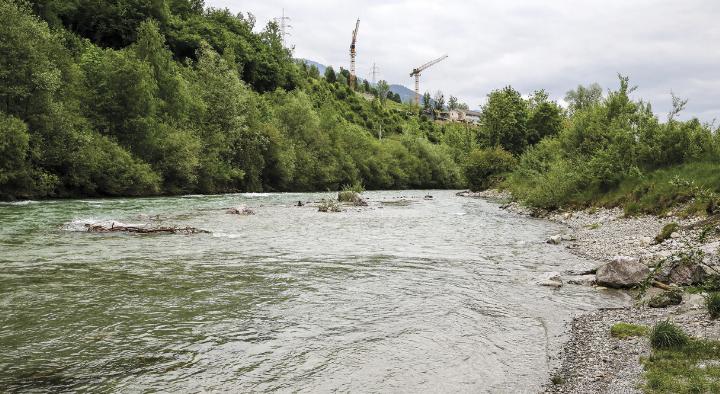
x=592, y=361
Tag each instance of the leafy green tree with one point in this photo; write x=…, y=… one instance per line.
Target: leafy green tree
x=545, y=120
x=485, y=167
x=505, y=117
x=583, y=97
x=383, y=89
x=330, y=75
x=453, y=103
x=426, y=101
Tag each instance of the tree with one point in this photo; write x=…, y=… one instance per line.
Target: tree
x=545, y=120
x=439, y=101
x=583, y=97
x=330, y=75
x=505, y=120
x=382, y=88
x=453, y=103
x=426, y=101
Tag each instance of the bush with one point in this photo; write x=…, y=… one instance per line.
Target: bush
x=666, y=335
x=666, y=232
x=627, y=330
x=713, y=304
x=485, y=167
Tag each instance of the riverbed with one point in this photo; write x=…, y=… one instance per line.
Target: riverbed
x=408, y=294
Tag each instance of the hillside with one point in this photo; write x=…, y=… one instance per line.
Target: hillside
x=181, y=99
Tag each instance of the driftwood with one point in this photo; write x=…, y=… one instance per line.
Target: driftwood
x=661, y=285
x=98, y=228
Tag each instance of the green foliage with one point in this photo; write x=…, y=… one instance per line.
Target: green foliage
x=584, y=97
x=167, y=97
x=614, y=151
x=666, y=232
x=628, y=330
x=505, y=120
x=666, y=335
x=486, y=167
x=712, y=302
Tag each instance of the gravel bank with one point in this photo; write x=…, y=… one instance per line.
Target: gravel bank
x=592, y=361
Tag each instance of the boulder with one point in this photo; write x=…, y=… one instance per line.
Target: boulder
x=622, y=272
x=665, y=299
x=686, y=273
x=567, y=237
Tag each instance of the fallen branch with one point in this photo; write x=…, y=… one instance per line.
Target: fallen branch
x=98, y=228
x=661, y=285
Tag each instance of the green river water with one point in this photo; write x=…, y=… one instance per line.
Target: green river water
x=426, y=296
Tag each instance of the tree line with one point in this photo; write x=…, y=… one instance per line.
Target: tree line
x=130, y=98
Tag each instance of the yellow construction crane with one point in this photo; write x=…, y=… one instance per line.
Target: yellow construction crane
x=352, y=55
x=417, y=71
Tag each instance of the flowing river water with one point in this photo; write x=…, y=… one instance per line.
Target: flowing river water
x=406, y=295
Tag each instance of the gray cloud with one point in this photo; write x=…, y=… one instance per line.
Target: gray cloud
x=662, y=45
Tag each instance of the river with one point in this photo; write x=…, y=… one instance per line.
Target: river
x=406, y=295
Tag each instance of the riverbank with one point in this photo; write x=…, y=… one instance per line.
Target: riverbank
x=592, y=360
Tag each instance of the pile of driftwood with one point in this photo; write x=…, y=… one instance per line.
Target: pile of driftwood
x=99, y=228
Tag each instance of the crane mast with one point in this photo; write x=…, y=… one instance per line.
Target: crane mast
x=352, y=55
x=417, y=71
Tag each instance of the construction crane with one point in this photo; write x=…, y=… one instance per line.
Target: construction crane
x=352, y=55
x=417, y=71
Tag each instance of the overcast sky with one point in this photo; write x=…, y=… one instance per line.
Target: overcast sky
x=554, y=45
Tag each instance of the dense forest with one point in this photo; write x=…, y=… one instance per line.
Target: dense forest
x=165, y=97
x=157, y=97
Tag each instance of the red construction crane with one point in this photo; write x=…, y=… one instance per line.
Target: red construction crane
x=352, y=55
x=417, y=71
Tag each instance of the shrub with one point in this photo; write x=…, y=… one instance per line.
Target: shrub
x=666, y=232
x=712, y=301
x=627, y=330
x=666, y=335
x=485, y=167
x=351, y=193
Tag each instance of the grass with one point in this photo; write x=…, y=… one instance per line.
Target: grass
x=666, y=335
x=712, y=302
x=628, y=330
x=686, y=369
x=351, y=193
x=666, y=232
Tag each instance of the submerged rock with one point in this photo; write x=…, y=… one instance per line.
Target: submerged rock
x=582, y=280
x=622, y=272
x=550, y=279
x=241, y=210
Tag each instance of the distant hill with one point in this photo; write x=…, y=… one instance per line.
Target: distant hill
x=407, y=95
